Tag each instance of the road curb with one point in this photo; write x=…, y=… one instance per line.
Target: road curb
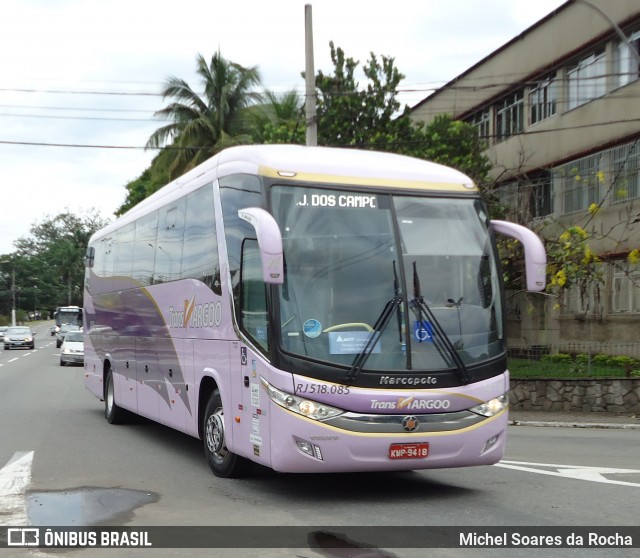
x=601, y=425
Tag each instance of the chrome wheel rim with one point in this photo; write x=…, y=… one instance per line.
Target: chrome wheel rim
x=214, y=434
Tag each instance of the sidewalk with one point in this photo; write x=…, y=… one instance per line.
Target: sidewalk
x=574, y=420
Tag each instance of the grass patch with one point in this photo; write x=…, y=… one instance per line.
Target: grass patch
x=564, y=366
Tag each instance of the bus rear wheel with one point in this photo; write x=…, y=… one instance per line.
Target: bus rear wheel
x=222, y=462
x=113, y=413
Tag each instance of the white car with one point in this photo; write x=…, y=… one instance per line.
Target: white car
x=72, y=349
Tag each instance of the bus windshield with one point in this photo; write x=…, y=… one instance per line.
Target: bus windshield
x=348, y=254
x=68, y=315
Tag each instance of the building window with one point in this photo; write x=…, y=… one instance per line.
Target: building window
x=627, y=67
x=626, y=175
x=587, y=80
x=541, y=197
x=481, y=120
x=509, y=116
x=528, y=199
x=625, y=295
x=582, y=182
x=543, y=99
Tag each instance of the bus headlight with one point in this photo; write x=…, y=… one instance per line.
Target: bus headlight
x=304, y=407
x=493, y=407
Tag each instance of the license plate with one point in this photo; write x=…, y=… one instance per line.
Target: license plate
x=409, y=451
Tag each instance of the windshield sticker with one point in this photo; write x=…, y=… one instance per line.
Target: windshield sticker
x=342, y=200
x=312, y=328
x=350, y=342
x=423, y=331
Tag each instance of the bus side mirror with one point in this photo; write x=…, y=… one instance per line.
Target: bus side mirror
x=269, y=241
x=535, y=256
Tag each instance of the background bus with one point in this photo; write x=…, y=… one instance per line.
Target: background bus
x=308, y=309
x=67, y=315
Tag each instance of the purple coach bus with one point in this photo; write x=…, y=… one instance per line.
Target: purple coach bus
x=309, y=309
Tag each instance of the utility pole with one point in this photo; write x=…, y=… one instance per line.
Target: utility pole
x=310, y=80
x=13, y=296
x=13, y=290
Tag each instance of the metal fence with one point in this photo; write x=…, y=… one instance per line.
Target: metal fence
x=590, y=348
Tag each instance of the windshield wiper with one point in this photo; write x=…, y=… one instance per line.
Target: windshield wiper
x=378, y=329
x=440, y=339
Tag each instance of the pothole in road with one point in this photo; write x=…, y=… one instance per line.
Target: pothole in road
x=86, y=506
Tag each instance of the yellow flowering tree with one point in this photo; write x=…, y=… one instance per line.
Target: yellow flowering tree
x=572, y=263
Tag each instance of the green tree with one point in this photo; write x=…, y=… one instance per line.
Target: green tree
x=52, y=257
x=137, y=190
x=351, y=116
x=456, y=144
x=371, y=117
x=203, y=125
x=278, y=119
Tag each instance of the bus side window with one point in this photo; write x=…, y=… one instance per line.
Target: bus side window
x=200, y=247
x=145, y=249
x=253, y=299
x=169, y=247
x=124, y=251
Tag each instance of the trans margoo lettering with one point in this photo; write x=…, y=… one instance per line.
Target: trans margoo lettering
x=208, y=314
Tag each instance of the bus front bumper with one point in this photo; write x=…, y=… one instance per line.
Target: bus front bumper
x=349, y=445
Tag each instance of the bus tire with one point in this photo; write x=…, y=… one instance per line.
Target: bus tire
x=222, y=462
x=113, y=413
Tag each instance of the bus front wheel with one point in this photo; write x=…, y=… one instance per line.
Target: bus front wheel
x=222, y=462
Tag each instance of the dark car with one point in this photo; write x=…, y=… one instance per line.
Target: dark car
x=64, y=329
x=19, y=336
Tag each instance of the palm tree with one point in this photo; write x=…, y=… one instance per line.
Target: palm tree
x=279, y=118
x=203, y=125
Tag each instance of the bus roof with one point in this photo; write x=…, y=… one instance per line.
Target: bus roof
x=322, y=165
x=333, y=165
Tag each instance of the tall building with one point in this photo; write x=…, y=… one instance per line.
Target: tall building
x=558, y=107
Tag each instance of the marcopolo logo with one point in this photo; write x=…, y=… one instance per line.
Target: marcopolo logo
x=411, y=404
x=195, y=315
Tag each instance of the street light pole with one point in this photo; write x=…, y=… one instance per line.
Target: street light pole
x=615, y=26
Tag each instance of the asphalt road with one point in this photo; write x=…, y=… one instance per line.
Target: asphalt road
x=61, y=463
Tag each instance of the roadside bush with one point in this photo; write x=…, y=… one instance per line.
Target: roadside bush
x=563, y=365
x=559, y=357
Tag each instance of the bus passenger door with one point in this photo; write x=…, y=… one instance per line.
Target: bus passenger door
x=147, y=377
x=249, y=432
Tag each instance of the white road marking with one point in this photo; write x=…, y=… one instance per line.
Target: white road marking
x=12, y=360
x=15, y=476
x=593, y=474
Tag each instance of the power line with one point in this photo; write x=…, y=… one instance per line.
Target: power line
x=79, y=117
x=197, y=148
x=76, y=92
x=87, y=109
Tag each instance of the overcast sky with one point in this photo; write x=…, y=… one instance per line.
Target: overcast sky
x=86, y=74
